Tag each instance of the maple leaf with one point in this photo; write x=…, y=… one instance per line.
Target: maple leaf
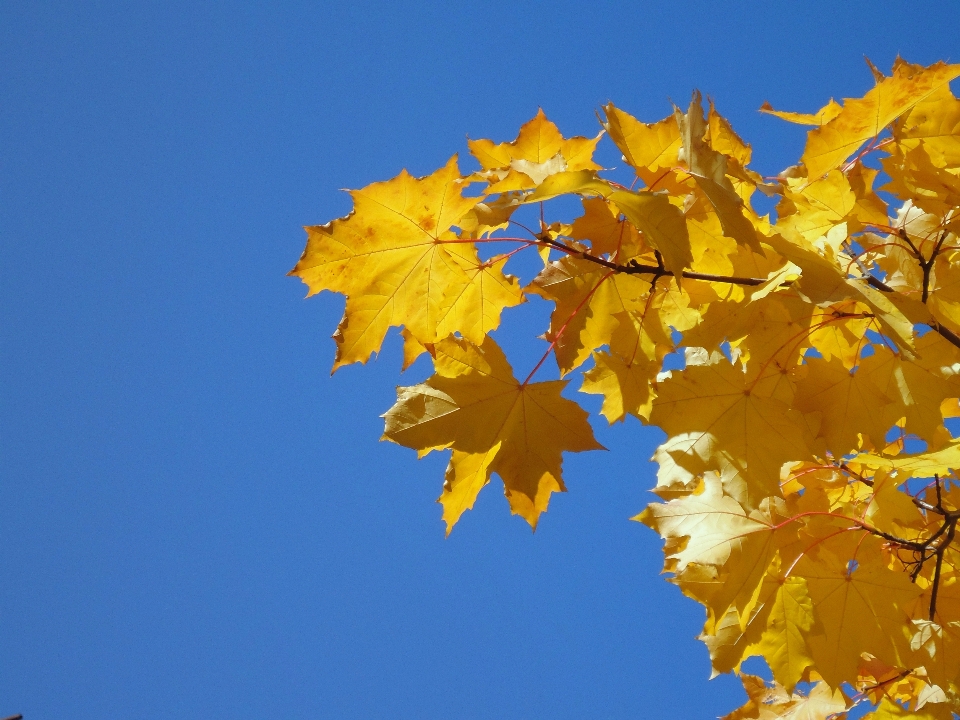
x=538, y=152
x=390, y=259
x=662, y=224
x=860, y=604
x=709, y=169
x=588, y=297
x=767, y=703
x=712, y=528
x=847, y=403
x=493, y=423
x=607, y=233
x=935, y=122
x=864, y=118
x=824, y=115
x=783, y=643
x=889, y=710
x=644, y=146
x=748, y=419
x=626, y=384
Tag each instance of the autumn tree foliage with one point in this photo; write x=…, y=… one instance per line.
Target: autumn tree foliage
x=808, y=484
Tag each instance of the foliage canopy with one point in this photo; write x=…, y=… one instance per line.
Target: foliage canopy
x=809, y=487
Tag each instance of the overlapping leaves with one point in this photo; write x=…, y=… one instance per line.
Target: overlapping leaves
x=807, y=478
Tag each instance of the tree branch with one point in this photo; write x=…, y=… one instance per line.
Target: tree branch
x=658, y=271
x=936, y=574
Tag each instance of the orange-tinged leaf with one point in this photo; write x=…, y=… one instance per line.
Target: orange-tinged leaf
x=474, y=405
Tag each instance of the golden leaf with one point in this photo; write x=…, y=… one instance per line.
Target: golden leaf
x=750, y=423
x=538, y=152
x=864, y=118
x=827, y=113
x=390, y=258
x=648, y=147
x=474, y=405
x=624, y=384
x=770, y=703
x=860, y=605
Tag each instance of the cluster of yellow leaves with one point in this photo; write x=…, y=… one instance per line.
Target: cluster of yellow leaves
x=808, y=479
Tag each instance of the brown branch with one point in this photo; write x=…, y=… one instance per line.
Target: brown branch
x=944, y=332
x=899, y=676
x=917, y=546
x=868, y=481
x=658, y=271
x=936, y=574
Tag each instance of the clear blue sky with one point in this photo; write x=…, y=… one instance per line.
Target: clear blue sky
x=196, y=520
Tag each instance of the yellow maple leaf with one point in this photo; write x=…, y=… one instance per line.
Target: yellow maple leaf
x=607, y=233
x=588, y=297
x=538, y=152
x=724, y=139
x=390, y=258
x=783, y=644
x=626, y=385
x=936, y=642
x=890, y=710
x=813, y=209
x=935, y=122
x=493, y=423
x=644, y=146
x=924, y=464
x=772, y=328
x=662, y=224
x=860, y=605
x=849, y=404
x=709, y=169
x=824, y=115
x=919, y=385
x=769, y=703
x=864, y=118
x=712, y=528
x=751, y=424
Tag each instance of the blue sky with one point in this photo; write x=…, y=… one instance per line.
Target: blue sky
x=197, y=520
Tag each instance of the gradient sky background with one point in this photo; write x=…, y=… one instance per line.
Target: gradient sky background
x=197, y=520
